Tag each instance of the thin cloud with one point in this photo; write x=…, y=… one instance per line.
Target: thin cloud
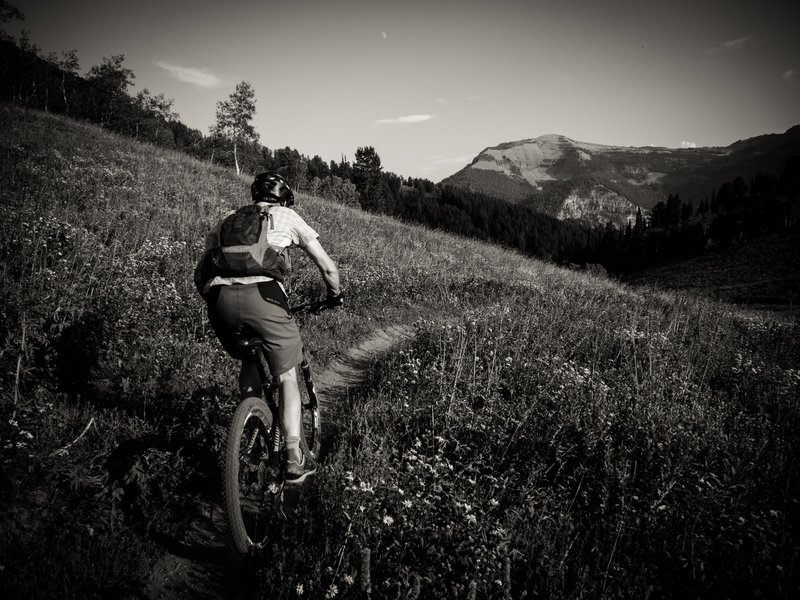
x=788, y=75
x=731, y=45
x=440, y=160
x=436, y=163
x=685, y=144
x=439, y=100
x=200, y=77
x=405, y=119
x=738, y=42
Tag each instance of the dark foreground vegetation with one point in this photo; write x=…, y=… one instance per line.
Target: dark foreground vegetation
x=547, y=434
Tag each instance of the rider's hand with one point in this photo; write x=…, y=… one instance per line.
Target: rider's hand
x=334, y=300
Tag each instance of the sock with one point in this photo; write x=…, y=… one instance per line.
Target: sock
x=293, y=447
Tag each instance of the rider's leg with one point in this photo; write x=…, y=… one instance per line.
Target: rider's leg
x=291, y=414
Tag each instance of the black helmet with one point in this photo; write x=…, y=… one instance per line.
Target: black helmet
x=272, y=188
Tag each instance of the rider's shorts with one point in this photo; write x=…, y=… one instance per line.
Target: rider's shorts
x=256, y=309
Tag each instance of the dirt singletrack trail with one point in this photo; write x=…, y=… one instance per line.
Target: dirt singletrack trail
x=347, y=371
x=202, y=565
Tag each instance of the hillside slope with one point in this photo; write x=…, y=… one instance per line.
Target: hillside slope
x=571, y=179
x=544, y=431
x=763, y=273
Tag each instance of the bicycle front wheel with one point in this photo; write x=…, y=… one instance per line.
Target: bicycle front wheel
x=311, y=418
x=252, y=475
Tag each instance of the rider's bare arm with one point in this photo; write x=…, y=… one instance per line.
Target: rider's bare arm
x=330, y=274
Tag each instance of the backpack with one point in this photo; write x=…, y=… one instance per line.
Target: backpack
x=244, y=248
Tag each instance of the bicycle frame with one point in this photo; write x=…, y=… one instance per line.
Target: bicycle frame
x=269, y=384
x=253, y=481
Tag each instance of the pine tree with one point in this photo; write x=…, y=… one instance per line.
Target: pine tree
x=367, y=177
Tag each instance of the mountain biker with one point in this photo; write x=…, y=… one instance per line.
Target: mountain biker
x=258, y=303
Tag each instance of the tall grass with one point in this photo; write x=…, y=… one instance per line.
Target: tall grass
x=546, y=434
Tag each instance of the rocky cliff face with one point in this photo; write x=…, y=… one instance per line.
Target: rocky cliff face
x=530, y=160
x=598, y=206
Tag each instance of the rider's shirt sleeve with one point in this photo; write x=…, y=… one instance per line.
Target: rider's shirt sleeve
x=302, y=231
x=287, y=228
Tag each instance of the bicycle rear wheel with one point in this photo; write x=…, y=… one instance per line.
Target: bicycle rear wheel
x=253, y=483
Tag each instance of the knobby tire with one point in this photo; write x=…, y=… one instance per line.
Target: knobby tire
x=246, y=535
x=250, y=528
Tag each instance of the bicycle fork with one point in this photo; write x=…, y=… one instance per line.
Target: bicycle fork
x=312, y=392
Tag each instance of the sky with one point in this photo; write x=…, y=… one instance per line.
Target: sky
x=429, y=84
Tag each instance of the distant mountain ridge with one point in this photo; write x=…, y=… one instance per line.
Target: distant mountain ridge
x=597, y=183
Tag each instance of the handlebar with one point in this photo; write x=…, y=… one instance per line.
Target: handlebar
x=313, y=307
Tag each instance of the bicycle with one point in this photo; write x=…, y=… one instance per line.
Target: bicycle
x=254, y=466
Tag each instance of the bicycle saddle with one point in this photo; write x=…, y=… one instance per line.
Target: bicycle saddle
x=246, y=338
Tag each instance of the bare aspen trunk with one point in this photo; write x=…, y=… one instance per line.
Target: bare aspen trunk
x=64, y=92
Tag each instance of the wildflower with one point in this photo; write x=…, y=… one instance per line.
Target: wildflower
x=348, y=580
x=472, y=519
x=299, y=589
x=493, y=502
x=407, y=503
x=387, y=520
x=332, y=591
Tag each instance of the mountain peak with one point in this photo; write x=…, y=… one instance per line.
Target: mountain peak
x=552, y=138
x=548, y=170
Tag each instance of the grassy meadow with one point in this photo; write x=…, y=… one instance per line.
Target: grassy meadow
x=763, y=274
x=546, y=434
